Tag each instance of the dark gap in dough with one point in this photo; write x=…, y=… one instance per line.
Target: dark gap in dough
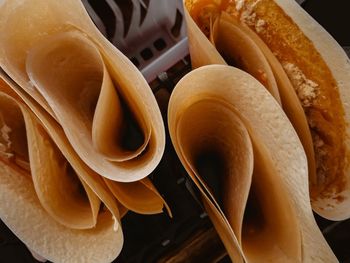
x=253, y=220
x=232, y=61
x=132, y=135
x=211, y=168
x=76, y=181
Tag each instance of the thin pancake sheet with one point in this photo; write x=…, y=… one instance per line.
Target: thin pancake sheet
x=280, y=167
x=95, y=93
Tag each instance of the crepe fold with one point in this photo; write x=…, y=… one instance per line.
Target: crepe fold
x=106, y=108
x=246, y=159
x=65, y=200
x=236, y=44
x=50, y=199
x=302, y=67
x=80, y=132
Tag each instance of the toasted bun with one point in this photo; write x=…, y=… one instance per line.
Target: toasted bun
x=318, y=69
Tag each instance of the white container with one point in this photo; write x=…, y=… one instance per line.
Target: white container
x=150, y=32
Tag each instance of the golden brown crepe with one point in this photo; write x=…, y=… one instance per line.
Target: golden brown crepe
x=222, y=121
x=50, y=199
x=106, y=108
x=67, y=193
x=86, y=133
x=277, y=42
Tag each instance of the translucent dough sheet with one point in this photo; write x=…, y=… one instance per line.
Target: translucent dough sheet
x=81, y=131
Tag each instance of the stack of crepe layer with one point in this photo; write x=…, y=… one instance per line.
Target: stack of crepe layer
x=228, y=124
x=75, y=97
x=262, y=211
x=302, y=67
x=80, y=132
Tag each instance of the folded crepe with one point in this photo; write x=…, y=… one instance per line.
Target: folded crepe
x=74, y=212
x=50, y=199
x=245, y=157
x=107, y=110
x=301, y=66
x=86, y=131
